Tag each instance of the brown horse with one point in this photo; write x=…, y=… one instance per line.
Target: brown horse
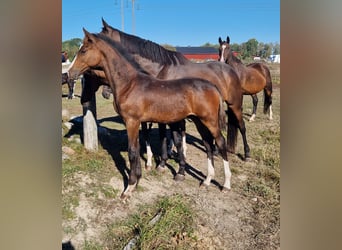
x=254, y=77
x=93, y=79
x=139, y=97
x=166, y=64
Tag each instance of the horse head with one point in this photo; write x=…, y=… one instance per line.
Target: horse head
x=88, y=56
x=224, y=49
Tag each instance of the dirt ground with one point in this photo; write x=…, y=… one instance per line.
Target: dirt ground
x=223, y=221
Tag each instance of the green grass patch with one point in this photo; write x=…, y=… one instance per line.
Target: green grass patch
x=174, y=229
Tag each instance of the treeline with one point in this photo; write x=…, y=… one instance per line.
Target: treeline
x=246, y=50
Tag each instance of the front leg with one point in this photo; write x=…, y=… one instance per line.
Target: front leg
x=133, y=156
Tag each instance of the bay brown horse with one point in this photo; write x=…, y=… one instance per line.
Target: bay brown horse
x=167, y=64
x=254, y=77
x=94, y=78
x=139, y=97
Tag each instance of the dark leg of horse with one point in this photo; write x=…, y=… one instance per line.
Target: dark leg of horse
x=147, y=140
x=183, y=135
x=134, y=157
x=235, y=121
x=163, y=140
x=268, y=93
x=268, y=99
x=208, y=140
x=255, y=104
x=176, y=129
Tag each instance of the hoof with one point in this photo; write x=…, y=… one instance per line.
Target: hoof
x=179, y=177
x=124, y=197
x=148, y=168
x=248, y=159
x=225, y=190
x=231, y=151
x=160, y=169
x=204, y=186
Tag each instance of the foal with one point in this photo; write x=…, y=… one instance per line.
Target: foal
x=254, y=77
x=139, y=97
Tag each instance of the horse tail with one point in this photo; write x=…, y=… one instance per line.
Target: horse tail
x=232, y=131
x=267, y=91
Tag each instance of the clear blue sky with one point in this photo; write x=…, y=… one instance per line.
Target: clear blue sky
x=177, y=22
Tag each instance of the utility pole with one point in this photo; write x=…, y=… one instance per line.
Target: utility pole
x=122, y=17
x=133, y=18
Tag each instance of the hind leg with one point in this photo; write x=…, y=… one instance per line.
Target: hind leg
x=238, y=120
x=175, y=131
x=163, y=140
x=221, y=145
x=255, y=104
x=208, y=140
x=147, y=139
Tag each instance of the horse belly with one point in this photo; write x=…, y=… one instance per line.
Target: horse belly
x=166, y=112
x=254, y=84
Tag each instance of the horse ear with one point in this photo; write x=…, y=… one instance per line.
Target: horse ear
x=88, y=35
x=104, y=23
x=220, y=40
x=228, y=40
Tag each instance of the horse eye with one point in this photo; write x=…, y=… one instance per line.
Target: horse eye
x=83, y=51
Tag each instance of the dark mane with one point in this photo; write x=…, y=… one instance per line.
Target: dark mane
x=117, y=46
x=150, y=50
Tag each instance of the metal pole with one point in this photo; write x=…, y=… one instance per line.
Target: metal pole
x=122, y=17
x=133, y=18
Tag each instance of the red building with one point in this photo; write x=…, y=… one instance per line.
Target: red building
x=199, y=54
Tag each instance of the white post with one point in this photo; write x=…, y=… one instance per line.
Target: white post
x=90, y=138
x=90, y=131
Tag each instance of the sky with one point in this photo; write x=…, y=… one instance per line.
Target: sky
x=176, y=22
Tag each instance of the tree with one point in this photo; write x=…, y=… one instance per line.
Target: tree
x=71, y=46
x=276, y=49
x=252, y=47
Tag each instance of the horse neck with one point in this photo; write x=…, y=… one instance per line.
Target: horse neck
x=118, y=70
x=235, y=63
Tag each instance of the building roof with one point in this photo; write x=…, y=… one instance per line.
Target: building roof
x=197, y=50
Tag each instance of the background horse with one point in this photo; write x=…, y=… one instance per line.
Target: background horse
x=139, y=97
x=254, y=77
x=70, y=82
x=166, y=64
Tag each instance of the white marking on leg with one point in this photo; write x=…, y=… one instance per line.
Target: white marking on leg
x=211, y=173
x=227, y=174
x=73, y=90
x=271, y=113
x=149, y=155
x=128, y=192
x=252, y=118
x=222, y=57
x=184, y=145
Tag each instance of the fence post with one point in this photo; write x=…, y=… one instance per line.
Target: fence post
x=90, y=138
